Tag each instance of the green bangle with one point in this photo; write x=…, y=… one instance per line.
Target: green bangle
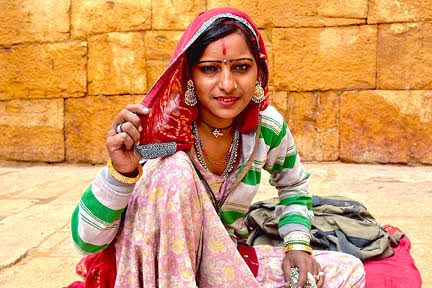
x=297, y=242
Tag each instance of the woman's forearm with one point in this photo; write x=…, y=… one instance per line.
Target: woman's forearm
x=96, y=218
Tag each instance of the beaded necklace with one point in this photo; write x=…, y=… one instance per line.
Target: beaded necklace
x=216, y=162
x=232, y=152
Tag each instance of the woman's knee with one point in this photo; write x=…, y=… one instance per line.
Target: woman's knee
x=341, y=269
x=174, y=176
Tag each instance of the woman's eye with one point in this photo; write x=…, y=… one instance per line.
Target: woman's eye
x=241, y=67
x=209, y=69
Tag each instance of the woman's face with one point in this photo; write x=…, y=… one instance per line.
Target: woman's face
x=225, y=78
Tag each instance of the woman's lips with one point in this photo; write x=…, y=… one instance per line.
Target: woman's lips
x=226, y=101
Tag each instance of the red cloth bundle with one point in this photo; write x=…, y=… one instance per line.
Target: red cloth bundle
x=398, y=270
x=99, y=270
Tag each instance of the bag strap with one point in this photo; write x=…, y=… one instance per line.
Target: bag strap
x=249, y=162
x=205, y=184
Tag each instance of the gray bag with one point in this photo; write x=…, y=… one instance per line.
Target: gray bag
x=340, y=224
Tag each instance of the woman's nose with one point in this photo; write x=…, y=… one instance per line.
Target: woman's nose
x=227, y=81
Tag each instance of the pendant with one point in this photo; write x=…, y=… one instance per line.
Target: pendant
x=217, y=133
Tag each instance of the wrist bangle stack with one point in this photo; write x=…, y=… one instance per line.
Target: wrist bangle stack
x=119, y=177
x=297, y=241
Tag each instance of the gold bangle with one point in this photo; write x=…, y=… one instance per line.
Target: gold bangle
x=118, y=176
x=298, y=247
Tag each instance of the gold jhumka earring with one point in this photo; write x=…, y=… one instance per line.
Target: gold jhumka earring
x=259, y=93
x=190, y=95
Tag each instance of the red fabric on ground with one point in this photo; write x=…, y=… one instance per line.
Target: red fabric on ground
x=76, y=284
x=398, y=270
x=99, y=270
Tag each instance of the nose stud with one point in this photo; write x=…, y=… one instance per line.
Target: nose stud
x=235, y=85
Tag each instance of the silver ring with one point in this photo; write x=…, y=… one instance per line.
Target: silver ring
x=317, y=277
x=119, y=128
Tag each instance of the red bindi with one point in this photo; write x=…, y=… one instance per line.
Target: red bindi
x=223, y=46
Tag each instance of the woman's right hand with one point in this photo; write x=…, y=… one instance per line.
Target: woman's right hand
x=121, y=145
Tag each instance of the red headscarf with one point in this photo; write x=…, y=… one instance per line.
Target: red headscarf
x=167, y=128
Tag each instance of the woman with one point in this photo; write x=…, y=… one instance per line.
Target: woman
x=209, y=131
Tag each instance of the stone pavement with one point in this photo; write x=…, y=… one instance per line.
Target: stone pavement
x=37, y=200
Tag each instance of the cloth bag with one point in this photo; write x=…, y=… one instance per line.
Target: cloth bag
x=340, y=224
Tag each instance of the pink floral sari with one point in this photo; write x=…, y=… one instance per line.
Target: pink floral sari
x=172, y=237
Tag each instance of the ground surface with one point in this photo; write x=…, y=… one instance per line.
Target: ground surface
x=37, y=200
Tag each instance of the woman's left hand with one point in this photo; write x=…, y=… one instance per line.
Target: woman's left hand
x=305, y=263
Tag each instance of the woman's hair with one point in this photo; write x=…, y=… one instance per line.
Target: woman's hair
x=219, y=29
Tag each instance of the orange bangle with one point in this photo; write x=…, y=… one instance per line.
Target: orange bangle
x=298, y=247
x=119, y=177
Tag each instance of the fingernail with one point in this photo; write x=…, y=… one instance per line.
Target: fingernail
x=145, y=109
x=301, y=286
x=140, y=129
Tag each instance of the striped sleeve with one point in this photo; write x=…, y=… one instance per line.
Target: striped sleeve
x=294, y=210
x=97, y=217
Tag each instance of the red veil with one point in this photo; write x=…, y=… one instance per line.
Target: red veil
x=167, y=128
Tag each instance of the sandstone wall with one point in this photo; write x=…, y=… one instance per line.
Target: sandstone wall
x=353, y=79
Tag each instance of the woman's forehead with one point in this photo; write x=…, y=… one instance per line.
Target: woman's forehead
x=231, y=45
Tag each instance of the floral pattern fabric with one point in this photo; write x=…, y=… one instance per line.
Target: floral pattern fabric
x=173, y=237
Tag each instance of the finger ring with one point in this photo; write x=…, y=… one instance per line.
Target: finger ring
x=119, y=128
x=317, y=277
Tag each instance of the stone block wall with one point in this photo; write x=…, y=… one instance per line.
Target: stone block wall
x=353, y=79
